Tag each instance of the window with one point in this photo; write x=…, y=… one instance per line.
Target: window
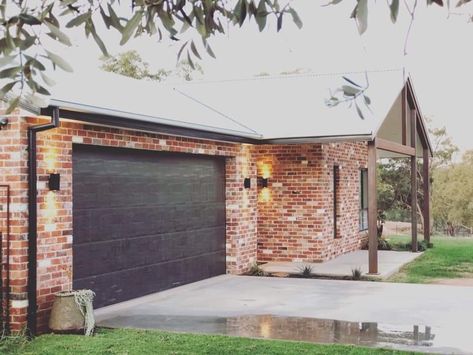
x=336, y=185
x=363, y=199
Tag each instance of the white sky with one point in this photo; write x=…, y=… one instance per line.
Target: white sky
x=440, y=54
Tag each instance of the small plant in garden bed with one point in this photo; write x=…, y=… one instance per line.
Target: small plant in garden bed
x=305, y=271
x=383, y=244
x=256, y=270
x=421, y=246
x=356, y=273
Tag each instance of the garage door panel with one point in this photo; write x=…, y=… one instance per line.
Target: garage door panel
x=128, y=284
x=145, y=221
x=163, y=186
x=118, y=223
x=108, y=256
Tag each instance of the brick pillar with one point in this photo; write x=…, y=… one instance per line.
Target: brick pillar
x=241, y=211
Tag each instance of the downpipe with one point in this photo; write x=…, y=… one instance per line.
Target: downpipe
x=33, y=218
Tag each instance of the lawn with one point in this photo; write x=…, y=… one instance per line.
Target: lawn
x=449, y=258
x=128, y=341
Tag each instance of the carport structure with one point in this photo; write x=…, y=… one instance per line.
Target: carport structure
x=405, y=136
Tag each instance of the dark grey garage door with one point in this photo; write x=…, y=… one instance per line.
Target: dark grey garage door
x=145, y=221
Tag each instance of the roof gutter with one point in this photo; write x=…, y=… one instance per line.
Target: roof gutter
x=136, y=124
x=90, y=109
x=320, y=139
x=33, y=217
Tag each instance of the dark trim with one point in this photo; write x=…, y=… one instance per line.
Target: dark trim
x=363, y=175
x=160, y=128
x=5, y=288
x=404, y=115
x=372, y=211
x=394, y=147
x=153, y=127
x=33, y=217
x=320, y=139
x=336, y=184
x=413, y=102
x=413, y=122
x=426, y=188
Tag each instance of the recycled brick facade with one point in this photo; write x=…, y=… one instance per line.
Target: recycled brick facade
x=13, y=173
x=295, y=218
x=290, y=220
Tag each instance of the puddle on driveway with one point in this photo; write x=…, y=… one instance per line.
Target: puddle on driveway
x=419, y=338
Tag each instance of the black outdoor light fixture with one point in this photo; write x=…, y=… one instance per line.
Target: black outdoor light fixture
x=247, y=183
x=3, y=122
x=263, y=182
x=54, y=182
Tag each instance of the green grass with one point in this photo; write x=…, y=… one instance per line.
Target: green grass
x=127, y=341
x=449, y=258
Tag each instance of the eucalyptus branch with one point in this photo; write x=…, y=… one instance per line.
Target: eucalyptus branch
x=411, y=23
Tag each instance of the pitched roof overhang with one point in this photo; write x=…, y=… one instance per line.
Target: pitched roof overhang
x=232, y=131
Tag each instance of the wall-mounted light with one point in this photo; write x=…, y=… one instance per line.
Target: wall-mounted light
x=263, y=182
x=54, y=182
x=3, y=122
x=247, y=183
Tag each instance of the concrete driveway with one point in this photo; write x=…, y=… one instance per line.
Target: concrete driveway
x=446, y=311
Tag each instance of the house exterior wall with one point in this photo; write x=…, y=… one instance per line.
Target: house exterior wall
x=14, y=173
x=290, y=220
x=295, y=214
x=55, y=235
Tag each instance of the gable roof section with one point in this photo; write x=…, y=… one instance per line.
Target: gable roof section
x=285, y=109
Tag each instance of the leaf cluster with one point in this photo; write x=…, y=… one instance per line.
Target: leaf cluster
x=352, y=93
x=360, y=11
x=26, y=57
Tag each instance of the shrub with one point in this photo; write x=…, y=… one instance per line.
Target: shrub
x=256, y=270
x=305, y=271
x=421, y=246
x=356, y=273
x=383, y=244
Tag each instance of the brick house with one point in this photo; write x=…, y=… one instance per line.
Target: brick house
x=129, y=188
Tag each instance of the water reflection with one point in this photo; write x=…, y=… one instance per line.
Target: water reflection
x=290, y=328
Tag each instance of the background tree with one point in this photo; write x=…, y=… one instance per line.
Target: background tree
x=26, y=55
x=452, y=195
x=394, y=190
x=131, y=64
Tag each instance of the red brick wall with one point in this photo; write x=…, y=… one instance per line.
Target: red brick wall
x=13, y=172
x=291, y=220
x=55, y=208
x=295, y=214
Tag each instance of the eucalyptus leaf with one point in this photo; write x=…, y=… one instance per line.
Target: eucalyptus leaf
x=47, y=79
x=350, y=90
x=362, y=15
x=12, y=105
x=29, y=19
x=394, y=7
x=295, y=17
x=7, y=88
x=6, y=60
x=79, y=20
x=10, y=72
x=358, y=110
x=350, y=81
x=194, y=50
x=131, y=26
x=58, y=34
x=279, y=22
x=57, y=60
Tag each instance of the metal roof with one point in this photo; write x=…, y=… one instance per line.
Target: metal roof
x=288, y=108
